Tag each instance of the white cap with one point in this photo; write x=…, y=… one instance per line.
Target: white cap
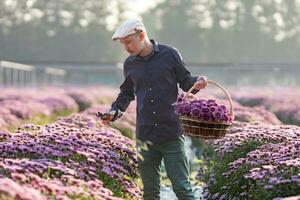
x=127, y=28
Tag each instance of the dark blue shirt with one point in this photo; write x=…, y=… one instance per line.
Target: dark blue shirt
x=154, y=81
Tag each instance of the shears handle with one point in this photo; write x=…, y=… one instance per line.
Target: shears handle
x=103, y=116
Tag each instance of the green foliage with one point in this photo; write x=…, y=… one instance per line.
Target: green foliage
x=287, y=119
x=235, y=184
x=177, y=23
x=125, y=131
x=78, y=158
x=113, y=185
x=222, y=167
x=216, y=166
x=217, y=44
x=52, y=173
x=41, y=119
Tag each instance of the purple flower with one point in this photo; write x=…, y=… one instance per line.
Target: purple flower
x=195, y=112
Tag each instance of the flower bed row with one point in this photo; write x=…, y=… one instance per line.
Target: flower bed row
x=253, y=161
x=209, y=99
x=29, y=104
x=284, y=102
x=73, y=158
x=259, y=157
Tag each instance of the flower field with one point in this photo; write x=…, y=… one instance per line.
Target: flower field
x=284, y=102
x=259, y=156
x=53, y=147
x=74, y=157
x=19, y=105
x=69, y=158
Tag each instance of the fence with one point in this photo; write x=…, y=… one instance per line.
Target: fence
x=229, y=74
x=81, y=74
x=16, y=74
x=21, y=75
x=250, y=74
x=54, y=76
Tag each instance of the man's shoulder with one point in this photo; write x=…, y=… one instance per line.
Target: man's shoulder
x=168, y=49
x=129, y=59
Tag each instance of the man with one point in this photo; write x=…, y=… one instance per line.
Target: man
x=151, y=73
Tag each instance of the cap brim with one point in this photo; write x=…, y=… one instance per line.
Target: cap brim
x=119, y=37
x=114, y=38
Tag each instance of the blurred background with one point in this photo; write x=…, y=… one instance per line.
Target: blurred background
x=252, y=47
x=68, y=42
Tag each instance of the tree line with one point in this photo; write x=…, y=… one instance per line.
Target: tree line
x=203, y=30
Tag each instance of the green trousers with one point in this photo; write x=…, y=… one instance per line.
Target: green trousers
x=175, y=161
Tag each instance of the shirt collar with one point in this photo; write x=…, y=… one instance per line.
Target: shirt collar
x=156, y=47
x=155, y=50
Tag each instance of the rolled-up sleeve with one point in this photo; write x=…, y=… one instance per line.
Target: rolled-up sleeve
x=183, y=75
x=125, y=96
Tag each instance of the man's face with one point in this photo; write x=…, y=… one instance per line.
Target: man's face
x=133, y=43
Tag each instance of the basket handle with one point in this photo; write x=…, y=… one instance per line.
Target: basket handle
x=222, y=88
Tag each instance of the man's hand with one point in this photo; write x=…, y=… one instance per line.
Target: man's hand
x=111, y=116
x=201, y=83
x=192, y=97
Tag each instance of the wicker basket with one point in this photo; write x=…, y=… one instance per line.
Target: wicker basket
x=205, y=130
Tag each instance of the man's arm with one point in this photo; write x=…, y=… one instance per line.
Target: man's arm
x=125, y=96
x=183, y=75
x=123, y=100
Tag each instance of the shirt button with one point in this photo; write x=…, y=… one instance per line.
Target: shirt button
x=152, y=100
x=155, y=124
x=150, y=89
x=154, y=112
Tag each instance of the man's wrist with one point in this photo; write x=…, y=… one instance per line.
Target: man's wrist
x=194, y=91
x=116, y=113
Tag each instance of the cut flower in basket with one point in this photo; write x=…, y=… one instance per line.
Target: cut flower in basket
x=207, y=111
x=204, y=118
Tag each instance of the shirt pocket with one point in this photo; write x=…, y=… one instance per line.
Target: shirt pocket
x=164, y=78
